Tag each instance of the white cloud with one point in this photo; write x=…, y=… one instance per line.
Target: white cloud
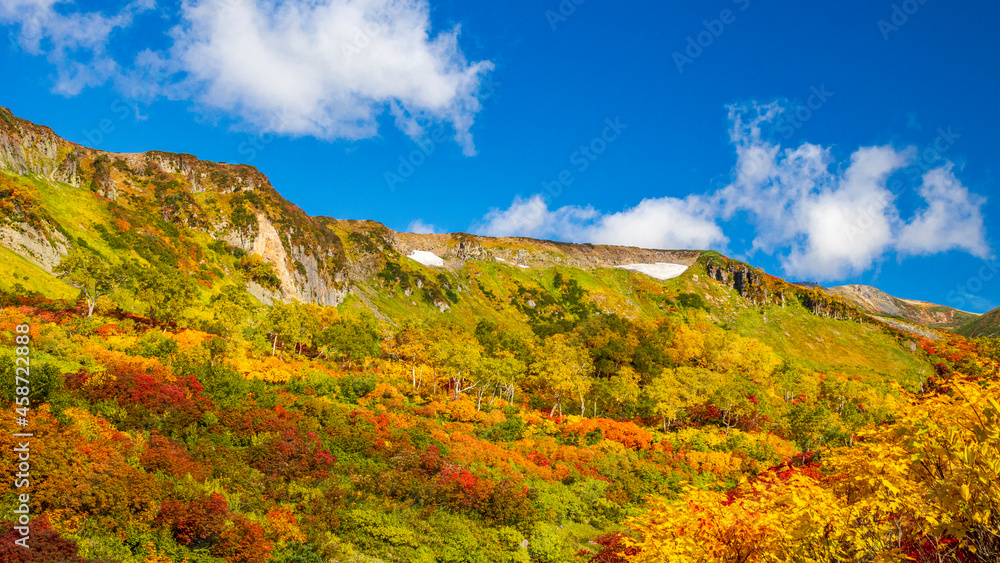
x=953, y=219
x=323, y=68
x=419, y=227
x=824, y=224
x=666, y=223
x=823, y=219
x=75, y=42
x=327, y=68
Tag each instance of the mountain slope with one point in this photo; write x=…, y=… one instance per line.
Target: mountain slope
x=987, y=325
x=436, y=397
x=219, y=224
x=878, y=302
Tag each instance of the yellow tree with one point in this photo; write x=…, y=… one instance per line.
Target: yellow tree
x=747, y=356
x=794, y=518
x=90, y=274
x=688, y=345
x=621, y=389
x=408, y=345
x=459, y=354
x=668, y=396
x=563, y=369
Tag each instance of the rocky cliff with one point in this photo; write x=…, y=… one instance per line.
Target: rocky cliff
x=760, y=288
x=877, y=302
x=313, y=259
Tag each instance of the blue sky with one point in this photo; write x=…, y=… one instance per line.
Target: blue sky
x=850, y=142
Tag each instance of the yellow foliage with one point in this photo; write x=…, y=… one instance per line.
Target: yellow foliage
x=929, y=481
x=152, y=556
x=270, y=369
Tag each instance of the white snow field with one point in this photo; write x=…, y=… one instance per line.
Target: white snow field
x=426, y=258
x=660, y=270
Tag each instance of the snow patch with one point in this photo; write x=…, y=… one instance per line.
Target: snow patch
x=660, y=270
x=426, y=258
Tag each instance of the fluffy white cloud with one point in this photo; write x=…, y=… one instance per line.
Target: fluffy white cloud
x=419, y=227
x=953, y=219
x=532, y=218
x=824, y=220
x=324, y=68
x=666, y=222
x=75, y=42
x=654, y=223
x=826, y=224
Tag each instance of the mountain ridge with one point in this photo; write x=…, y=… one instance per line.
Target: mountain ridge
x=313, y=259
x=878, y=302
x=985, y=325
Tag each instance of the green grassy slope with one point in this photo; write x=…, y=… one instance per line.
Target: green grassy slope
x=987, y=325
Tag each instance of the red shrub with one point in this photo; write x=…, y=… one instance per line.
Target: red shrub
x=613, y=549
x=243, y=542
x=170, y=457
x=44, y=545
x=292, y=455
x=196, y=523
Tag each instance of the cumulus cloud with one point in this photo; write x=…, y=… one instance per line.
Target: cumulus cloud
x=827, y=220
x=419, y=227
x=654, y=223
x=323, y=68
x=327, y=68
x=75, y=42
x=823, y=219
x=952, y=220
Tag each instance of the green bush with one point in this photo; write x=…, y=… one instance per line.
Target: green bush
x=43, y=380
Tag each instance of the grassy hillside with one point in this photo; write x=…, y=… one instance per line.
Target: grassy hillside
x=987, y=325
x=880, y=303
x=259, y=386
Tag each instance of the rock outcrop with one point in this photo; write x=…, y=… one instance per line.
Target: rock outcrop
x=878, y=302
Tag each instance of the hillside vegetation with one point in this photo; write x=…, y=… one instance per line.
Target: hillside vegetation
x=217, y=377
x=987, y=325
x=880, y=303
